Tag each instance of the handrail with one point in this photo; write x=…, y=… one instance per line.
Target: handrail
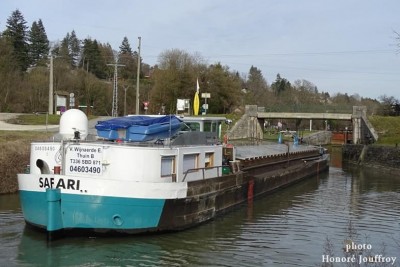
x=202, y=169
x=308, y=158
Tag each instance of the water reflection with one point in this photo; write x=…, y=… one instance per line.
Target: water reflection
x=34, y=250
x=336, y=156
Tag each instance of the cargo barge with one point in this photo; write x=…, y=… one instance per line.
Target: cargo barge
x=109, y=184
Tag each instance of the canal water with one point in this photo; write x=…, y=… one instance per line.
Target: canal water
x=307, y=224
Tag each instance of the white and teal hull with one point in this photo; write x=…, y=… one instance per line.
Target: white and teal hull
x=54, y=206
x=90, y=212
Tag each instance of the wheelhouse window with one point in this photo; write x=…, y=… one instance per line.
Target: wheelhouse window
x=211, y=126
x=167, y=166
x=193, y=126
x=209, y=160
x=190, y=161
x=207, y=126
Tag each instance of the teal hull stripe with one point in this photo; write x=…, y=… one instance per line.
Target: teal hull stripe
x=80, y=211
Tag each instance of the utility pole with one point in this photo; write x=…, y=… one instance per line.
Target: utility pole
x=51, y=91
x=137, y=79
x=114, y=112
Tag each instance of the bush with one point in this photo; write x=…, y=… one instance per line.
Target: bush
x=14, y=157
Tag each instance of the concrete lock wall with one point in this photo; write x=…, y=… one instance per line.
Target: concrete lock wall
x=372, y=155
x=248, y=126
x=363, y=132
x=319, y=138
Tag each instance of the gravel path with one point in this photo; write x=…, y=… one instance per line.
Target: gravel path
x=16, y=127
x=53, y=128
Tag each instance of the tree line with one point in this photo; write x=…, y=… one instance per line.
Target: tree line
x=86, y=68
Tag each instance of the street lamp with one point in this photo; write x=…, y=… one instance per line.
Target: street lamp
x=125, y=89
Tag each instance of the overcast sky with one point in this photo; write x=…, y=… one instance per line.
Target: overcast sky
x=339, y=45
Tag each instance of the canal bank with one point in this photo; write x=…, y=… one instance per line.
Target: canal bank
x=13, y=157
x=15, y=142
x=385, y=157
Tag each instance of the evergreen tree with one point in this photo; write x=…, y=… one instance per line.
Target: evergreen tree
x=39, y=44
x=127, y=58
x=125, y=47
x=280, y=85
x=16, y=32
x=74, y=45
x=256, y=86
x=94, y=62
x=70, y=49
x=63, y=50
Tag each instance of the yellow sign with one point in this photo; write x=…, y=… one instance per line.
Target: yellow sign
x=196, y=104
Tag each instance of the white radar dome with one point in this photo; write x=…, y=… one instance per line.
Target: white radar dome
x=71, y=121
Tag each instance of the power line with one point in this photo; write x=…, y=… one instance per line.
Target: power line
x=378, y=51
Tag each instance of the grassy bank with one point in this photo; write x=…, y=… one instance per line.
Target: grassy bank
x=388, y=129
x=36, y=119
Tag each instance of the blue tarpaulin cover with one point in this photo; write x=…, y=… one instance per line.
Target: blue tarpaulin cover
x=128, y=121
x=138, y=128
